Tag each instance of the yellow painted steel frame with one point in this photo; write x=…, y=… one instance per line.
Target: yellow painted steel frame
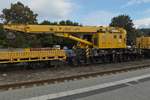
x=143, y=42
x=111, y=41
x=30, y=56
x=69, y=36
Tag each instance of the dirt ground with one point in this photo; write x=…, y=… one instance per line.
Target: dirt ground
x=21, y=74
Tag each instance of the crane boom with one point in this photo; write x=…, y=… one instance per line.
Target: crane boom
x=61, y=31
x=51, y=28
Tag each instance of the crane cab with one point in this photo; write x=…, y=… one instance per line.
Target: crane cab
x=110, y=38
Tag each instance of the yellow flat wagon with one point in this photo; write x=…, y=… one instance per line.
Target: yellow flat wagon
x=29, y=56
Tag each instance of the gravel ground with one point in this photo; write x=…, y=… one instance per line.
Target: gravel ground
x=21, y=74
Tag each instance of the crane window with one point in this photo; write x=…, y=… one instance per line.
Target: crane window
x=96, y=41
x=88, y=37
x=115, y=36
x=120, y=36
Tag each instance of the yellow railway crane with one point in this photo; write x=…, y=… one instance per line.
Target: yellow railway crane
x=100, y=40
x=143, y=43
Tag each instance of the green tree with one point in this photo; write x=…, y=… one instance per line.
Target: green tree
x=124, y=21
x=46, y=22
x=1, y=28
x=2, y=36
x=49, y=40
x=18, y=13
x=62, y=22
x=76, y=24
x=145, y=31
x=69, y=23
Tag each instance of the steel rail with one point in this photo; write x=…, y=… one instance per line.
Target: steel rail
x=27, y=84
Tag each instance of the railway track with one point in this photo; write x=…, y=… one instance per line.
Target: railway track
x=28, y=84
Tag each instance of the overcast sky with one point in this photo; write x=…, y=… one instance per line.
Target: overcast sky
x=88, y=12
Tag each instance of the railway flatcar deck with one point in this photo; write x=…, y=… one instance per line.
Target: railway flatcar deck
x=29, y=56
